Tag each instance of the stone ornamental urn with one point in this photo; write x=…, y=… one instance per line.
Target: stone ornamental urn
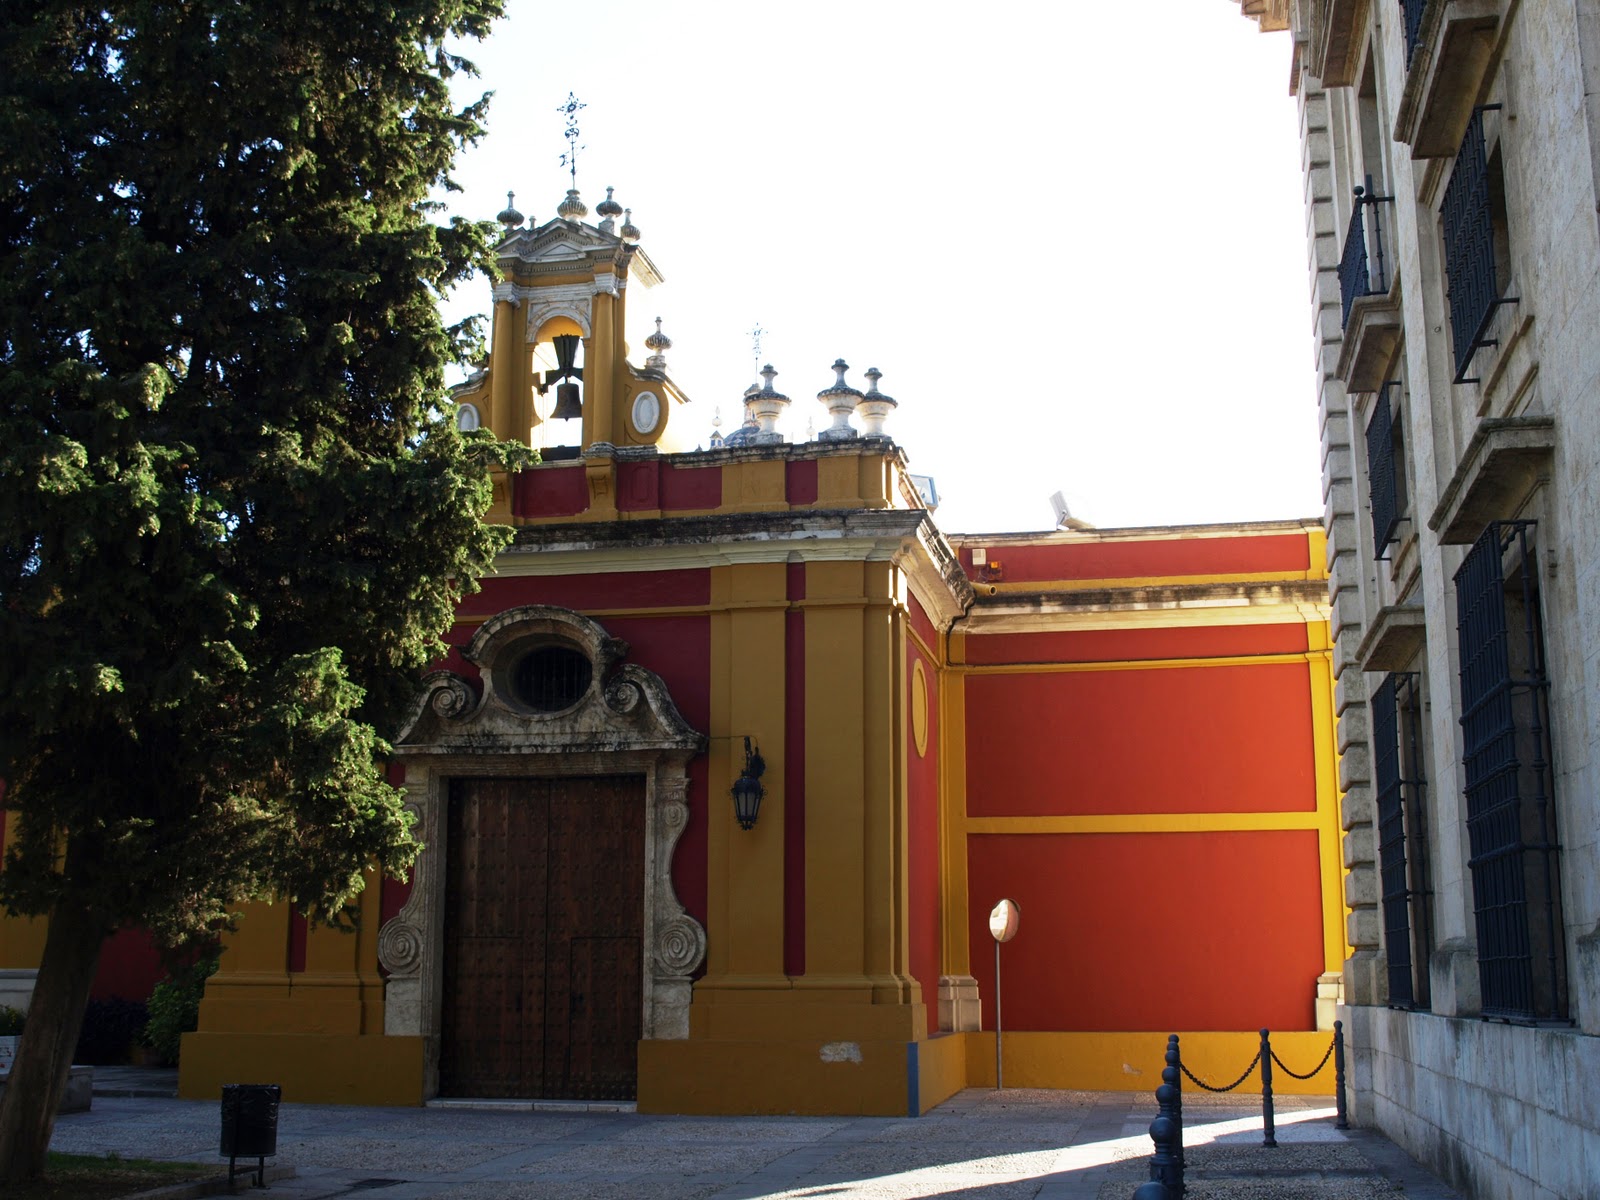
x=840, y=400
x=875, y=407
x=767, y=406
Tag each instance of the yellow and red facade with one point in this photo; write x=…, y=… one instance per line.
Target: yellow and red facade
x=1127, y=732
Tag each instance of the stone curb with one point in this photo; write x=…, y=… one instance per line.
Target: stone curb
x=211, y=1185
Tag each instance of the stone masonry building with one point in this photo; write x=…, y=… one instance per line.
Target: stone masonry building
x=1451, y=159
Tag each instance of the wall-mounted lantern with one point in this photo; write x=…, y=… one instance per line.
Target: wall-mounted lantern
x=747, y=789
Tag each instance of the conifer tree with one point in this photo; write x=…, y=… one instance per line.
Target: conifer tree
x=235, y=514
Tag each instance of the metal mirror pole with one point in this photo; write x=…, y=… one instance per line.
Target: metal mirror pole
x=999, y=1068
x=1003, y=921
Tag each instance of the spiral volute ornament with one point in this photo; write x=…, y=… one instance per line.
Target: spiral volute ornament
x=400, y=948
x=680, y=945
x=623, y=695
x=452, y=699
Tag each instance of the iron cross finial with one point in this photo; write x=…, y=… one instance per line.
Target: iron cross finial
x=570, y=158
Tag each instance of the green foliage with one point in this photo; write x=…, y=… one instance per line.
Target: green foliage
x=235, y=514
x=175, y=1009
x=110, y=1030
x=11, y=1020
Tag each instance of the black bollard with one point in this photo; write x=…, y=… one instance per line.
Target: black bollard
x=1338, y=1076
x=1172, y=1074
x=1269, y=1134
x=1152, y=1191
x=1163, y=1165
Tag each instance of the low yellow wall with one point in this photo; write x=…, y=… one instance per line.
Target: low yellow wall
x=941, y=1069
x=311, y=1068
x=871, y=1079
x=1132, y=1062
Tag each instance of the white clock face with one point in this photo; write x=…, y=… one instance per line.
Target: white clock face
x=646, y=411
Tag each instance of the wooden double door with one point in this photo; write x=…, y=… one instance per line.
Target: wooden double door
x=543, y=953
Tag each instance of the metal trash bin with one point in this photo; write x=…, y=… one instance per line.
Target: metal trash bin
x=250, y=1125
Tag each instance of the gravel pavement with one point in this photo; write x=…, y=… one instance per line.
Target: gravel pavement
x=1018, y=1144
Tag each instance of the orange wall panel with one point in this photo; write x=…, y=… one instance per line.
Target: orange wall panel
x=1150, y=931
x=1134, y=645
x=1228, y=554
x=1182, y=739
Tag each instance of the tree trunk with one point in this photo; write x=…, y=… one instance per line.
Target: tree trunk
x=44, y=1055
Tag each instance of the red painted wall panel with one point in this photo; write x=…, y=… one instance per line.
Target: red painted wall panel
x=638, y=486
x=1160, y=931
x=1230, y=554
x=631, y=589
x=1133, y=645
x=1182, y=739
x=678, y=648
x=800, y=481
x=923, y=625
x=922, y=787
x=690, y=487
x=550, y=491
x=295, y=958
x=129, y=967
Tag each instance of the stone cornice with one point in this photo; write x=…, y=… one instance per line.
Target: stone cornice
x=905, y=537
x=1265, y=603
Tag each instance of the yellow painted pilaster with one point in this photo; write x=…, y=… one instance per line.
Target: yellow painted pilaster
x=839, y=482
x=600, y=364
x=836, y=915
x=744, y=930
x=887, y=888
x=502, y=417
x=21, y=938
x=600, y=474
x=1330, y=858
x=758, y=486
x=248, y=992
x=340, y=991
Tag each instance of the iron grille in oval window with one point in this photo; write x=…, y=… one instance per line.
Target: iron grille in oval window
x=552, y=678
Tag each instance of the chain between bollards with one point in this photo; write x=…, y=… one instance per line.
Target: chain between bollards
x=1166, y=1131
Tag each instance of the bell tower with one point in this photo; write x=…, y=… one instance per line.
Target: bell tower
x=558, y=376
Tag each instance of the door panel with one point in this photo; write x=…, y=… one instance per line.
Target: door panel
x=544, y=922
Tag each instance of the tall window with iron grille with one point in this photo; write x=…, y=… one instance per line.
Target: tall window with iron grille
x=1510, y=780
x=1404, y=860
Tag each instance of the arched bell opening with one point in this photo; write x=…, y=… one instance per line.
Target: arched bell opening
x=557, y=355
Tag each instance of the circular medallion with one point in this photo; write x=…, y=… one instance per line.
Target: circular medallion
x=919, y=707
x=646, y=412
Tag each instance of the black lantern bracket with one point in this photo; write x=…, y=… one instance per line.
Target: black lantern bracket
x=747, y=789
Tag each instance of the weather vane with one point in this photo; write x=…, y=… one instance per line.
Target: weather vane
x=570, y=158
x=755, y=344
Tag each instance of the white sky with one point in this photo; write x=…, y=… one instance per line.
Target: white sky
x=1070, y=234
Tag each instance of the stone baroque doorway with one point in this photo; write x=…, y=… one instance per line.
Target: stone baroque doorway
x=620, y=722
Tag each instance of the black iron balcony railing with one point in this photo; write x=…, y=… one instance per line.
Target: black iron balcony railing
x=1358, y=275
x=1403, y=838
x=1511, y=820
x=1469, y=247
x=1381, y=468
x=1411, y=14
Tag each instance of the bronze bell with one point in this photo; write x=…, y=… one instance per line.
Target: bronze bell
x=568, y=405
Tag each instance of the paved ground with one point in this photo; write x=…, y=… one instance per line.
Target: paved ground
x=980, y=1145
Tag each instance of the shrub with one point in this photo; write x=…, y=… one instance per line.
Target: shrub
x=110, y=1028
x=11, y=1020
x=175, y=1008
